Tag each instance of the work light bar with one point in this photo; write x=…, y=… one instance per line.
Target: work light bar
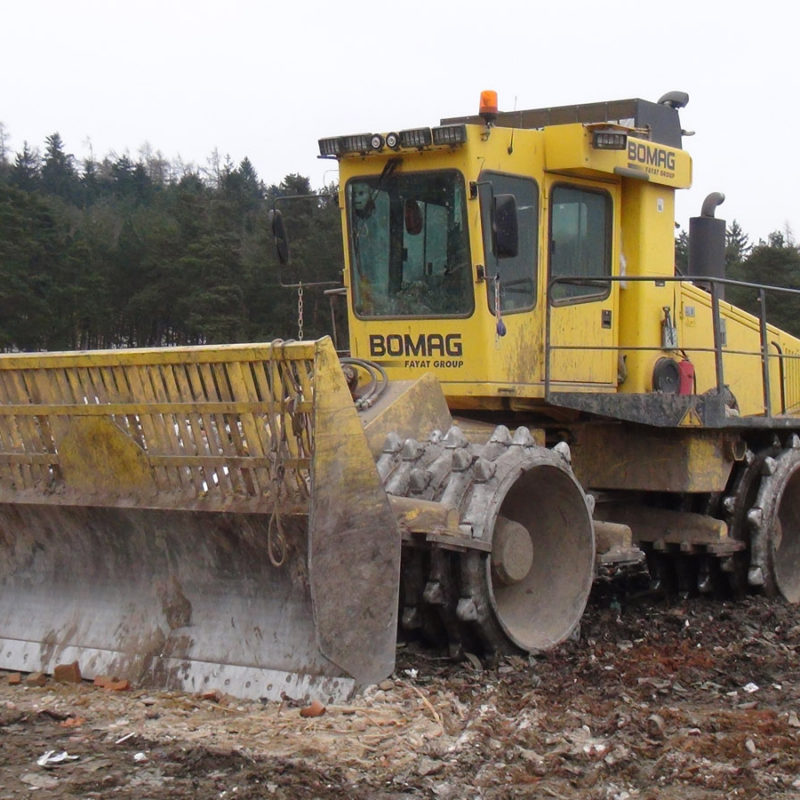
x=411, y=139
x=609, y=140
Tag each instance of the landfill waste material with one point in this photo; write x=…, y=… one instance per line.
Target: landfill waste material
x=690, y=701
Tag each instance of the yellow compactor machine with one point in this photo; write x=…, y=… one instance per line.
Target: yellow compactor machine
x=533, y=397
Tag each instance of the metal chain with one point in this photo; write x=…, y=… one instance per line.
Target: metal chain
x=300, y=311
x=276, y=538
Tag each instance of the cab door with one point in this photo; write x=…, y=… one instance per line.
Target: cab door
x=582, y=249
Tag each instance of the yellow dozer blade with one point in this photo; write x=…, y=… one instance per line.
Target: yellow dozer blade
x=194, y=518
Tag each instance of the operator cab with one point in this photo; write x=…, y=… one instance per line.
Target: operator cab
x=502, y=234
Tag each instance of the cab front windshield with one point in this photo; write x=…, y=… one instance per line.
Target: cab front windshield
x=409, y=250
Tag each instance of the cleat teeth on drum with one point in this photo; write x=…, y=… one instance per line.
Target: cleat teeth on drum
x=393, y=443
x=419, y=480
x=466, y=610
x=484, y=470
x=755, y=516
x=522, y=437
x=755, y=576
x=455, y=438
x=562, y=448
x=462, y=460
x=501, y=435
x=411, y=451
x=729, y=504
x=769, y=465
x=433, y=594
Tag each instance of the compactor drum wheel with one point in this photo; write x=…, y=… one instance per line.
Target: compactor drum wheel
x=774, y=521
x=521, y=578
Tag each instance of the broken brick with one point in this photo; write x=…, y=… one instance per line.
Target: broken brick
x=36, y=679
x=316, y=709
x=72, y=722
x=67, y=673
x=14, y=679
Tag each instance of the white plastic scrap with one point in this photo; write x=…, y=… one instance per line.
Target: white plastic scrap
x=53, y=759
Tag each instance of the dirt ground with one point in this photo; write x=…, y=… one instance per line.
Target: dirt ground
x=690, y=701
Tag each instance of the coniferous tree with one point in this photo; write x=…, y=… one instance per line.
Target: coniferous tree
x=775, y=262
x=31, y=252
x=58, y=174
x=5, y=163
x=682, y=253
x=26, y=171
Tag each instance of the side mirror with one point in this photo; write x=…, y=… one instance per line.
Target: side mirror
x=505, y=236
x=413, y=218
x=281, y=239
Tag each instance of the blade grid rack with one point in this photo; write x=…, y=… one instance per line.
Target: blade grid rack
x=216, y=428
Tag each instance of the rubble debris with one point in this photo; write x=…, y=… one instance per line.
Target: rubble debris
x=315, y=709
x=72, y=722
x=655, y=726
x=113, y=684
x=665, y=715
x=67, y=673
x=38, y=781
x=54, y=758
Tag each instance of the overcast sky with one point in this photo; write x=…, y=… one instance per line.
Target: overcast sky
x=266, y=80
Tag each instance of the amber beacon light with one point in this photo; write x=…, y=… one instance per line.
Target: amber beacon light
x=488, y=107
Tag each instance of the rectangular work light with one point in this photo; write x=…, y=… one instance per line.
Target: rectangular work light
x=609, y=140
x=330, y=147
x=450, y=134
x=416, y=137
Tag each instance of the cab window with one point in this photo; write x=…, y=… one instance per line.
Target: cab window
x=409, y=245
x=580, y=242
x=512, y=279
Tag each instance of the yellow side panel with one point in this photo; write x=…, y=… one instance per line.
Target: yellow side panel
x=742, y=356
x=648, y=248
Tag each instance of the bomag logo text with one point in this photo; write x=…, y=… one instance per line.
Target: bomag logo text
x=419, y=350
x=655, y=160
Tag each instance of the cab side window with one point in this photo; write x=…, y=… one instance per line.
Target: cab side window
x=513, y=279
x=580, y=242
